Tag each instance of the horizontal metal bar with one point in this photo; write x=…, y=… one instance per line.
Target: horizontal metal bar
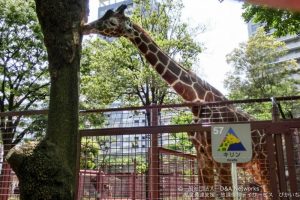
x=270, y=127
x=177, y=153
x=143, y=130
x=23, y=113
x=42, y=112
x=289, y=98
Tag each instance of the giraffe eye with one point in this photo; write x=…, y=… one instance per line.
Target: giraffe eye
x=112, y=23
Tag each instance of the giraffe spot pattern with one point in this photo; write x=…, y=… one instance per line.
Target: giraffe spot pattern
x=209, y=96
x=199, y=90
x=151, y=58
x=185, y=77
x=162, y=58
x=224, y=146
x=174, y=68
x=143, y=47
x=160, y=68
x=152, y=48
x=186, y=92
x=169, y=77
x=223, y=149
x=137, y=41
x=145, y=38
x=194, y=77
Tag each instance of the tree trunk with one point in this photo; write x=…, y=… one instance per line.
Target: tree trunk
x=48, y=170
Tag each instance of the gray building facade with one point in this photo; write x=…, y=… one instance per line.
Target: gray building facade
x=293, y=46
x=105, y=5
x=292, y=43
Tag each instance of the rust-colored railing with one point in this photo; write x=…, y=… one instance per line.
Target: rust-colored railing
x=144, y=152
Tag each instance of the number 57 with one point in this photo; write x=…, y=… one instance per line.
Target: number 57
x=218, y=130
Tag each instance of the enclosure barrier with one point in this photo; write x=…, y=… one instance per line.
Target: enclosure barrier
x=145, y=153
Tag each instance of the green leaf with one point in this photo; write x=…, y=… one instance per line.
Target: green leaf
x=24, y=79
x=258, y=74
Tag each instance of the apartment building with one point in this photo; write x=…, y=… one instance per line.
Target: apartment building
x=292, y=43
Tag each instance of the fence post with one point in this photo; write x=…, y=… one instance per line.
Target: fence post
x=279, y=150
x=133, y=179
x=6, y=180
x=79, y=185
x=99, y=184
x=290, y=156
x=154, y=159
x=272, y=159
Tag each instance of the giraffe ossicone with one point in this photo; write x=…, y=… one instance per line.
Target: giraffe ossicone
x=192, y=89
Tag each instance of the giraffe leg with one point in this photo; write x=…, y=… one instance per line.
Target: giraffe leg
x=259, y=172
x=205, y=176
x=259, y=167
x=225, y=180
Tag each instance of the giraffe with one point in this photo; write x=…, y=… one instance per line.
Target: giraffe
x=193, y=90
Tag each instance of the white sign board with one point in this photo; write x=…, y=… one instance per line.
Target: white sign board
x=231, y=143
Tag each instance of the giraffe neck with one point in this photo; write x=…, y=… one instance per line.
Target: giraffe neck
x=186, y=84
x=190, y=87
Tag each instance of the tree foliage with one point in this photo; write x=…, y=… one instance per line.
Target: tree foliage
x=283, y=22
x=115, y=69
x=23, y=73
x=89, y=153
x=258, y=71
x=181, y=141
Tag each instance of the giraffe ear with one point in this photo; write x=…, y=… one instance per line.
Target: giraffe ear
x=107, y=15
x=121, y=9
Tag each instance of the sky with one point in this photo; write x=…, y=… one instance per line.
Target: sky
x=225, y=29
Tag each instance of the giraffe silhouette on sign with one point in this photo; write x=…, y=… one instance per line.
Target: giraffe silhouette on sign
x=192, y=89
x=231, y=142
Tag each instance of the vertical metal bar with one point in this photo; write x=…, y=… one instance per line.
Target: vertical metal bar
x=234, y=177
x=291, y=163
x=193, y=177
x=154, y=159
x=98, y=186
x=176, y=178
x=296, y=140
x=279, y=150
x=80, y=185
x=4, y=195
x=280, y=164
x=77, y=178
x=133, y=196
x=272, y=165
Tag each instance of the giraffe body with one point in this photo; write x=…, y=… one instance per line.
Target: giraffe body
x=192, y=89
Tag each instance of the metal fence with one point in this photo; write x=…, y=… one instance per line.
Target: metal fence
x=145, y=152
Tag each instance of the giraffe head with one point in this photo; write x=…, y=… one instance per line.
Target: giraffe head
x=112, y=24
